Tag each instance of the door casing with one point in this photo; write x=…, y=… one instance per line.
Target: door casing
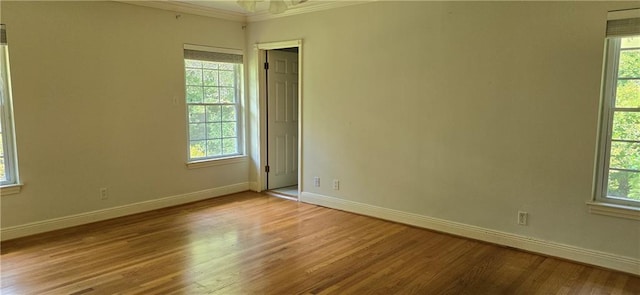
x=260, y=50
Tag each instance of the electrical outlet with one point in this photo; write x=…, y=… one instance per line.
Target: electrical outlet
x=104, y=193
x=523, y=218
x=316, y=181
x=336, y=184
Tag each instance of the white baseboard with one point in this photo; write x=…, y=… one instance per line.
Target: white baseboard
x=104, y=214
x=603, y=259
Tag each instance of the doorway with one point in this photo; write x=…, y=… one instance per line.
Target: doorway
x=280, y=81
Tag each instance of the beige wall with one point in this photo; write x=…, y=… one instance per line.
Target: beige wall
x=93, y=88
x=466, y=112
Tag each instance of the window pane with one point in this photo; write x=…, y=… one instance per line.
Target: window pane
x=2, y=173
x=227, y=95
x=212, y=108
x=228, y=113
x=230, y=146
x=194, y=77
x=194, y=94
x=229, y=129
x=196, y=114
x=210, y=65
x=211, y=95
x=227, y=78
x=214, y=147
x=628, y=94
x=197, y=131
x=210, y=77
x=190, y=63
x=3, y=176
x=624, y=184
x=214, y=130
x=197, y=149
x=630, y=42
x=625, y=155
x=214, y=113
x=629, y=66
x=622, y=178
x=227, y=66
x=8, y=167
x=626, y=126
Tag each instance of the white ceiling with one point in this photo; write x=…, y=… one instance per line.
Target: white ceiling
x=226, y=5
x=229, y=9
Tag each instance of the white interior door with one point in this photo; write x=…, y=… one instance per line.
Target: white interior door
x=282, y=118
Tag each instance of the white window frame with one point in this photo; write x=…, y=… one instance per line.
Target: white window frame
x=602, y=203
x=12, y=180
x=240, y=156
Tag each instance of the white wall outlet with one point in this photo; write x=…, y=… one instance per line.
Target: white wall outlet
x=316, y=181
x=523, y=218
x=336, y=184
x=104, y=194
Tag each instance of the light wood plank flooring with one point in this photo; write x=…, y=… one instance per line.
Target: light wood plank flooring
x=250, y=243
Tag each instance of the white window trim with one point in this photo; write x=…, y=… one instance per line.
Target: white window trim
x=614, y=210
x=240, y=113
x=11, y=189
x=12, y=184
x=601, y=204
x=217, y=162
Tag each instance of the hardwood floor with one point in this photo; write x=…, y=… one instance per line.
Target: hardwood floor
x=252, y=243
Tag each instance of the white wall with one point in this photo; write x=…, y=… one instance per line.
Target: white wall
x=93, y=89
x=465, y=112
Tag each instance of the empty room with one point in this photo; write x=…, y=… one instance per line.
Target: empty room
x=320, y=147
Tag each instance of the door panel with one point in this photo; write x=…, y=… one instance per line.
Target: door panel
x=282, y=107
x=280, y=159
x=281, y=102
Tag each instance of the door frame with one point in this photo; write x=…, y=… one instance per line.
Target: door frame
x=260, y=50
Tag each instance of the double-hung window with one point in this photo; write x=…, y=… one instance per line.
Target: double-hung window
x=213, y=86
x=8, y=159
x=618, y=180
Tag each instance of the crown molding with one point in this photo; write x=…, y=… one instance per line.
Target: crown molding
x=190, y=8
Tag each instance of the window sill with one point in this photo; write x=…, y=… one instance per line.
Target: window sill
x=216, y=162
x=10, y=189
x=621, y=211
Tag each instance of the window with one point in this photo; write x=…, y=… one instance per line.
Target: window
x=8, y=160
x=619, y=175
x=213, y=85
